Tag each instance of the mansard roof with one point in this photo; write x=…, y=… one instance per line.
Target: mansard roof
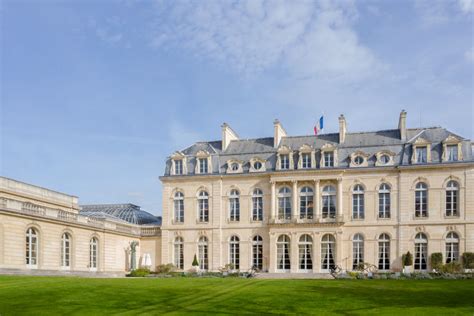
x=129, y=213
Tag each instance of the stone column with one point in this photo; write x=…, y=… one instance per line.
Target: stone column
x=272, y=253
x=316, y=253
x=295, y=208
x=273, y=213
x=339, y=198
x=317, y=200
x=294, y=251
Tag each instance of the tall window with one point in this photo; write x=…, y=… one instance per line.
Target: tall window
x=384, y=201
x=257, y=252
x=203, y=253
x=203, y=168
x=234, y=206
x=384, y=252
x=306, y=160
x=203, y=205
x=305, y=250
x=31, y=247
x=257, y=205
x=357, y=251
x=421, y=252
x=306, y=203
x=452, y=190
x=93, y=253
x=234, y=252
x=328, y=248
x=421, y=200
x=421, y=154
x=179, y=207
x=283, y=253
x=178, y=166
x=179, y=253
x=284, y=203
x=65, y=250
x=328, y=159
x=452, y=152
x=285, y=162
x=452, y=247
x=329, y=202
x=358, y=202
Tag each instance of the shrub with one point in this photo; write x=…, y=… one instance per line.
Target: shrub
x=142, y=272
x=407, y=259
x=227, y=268
x=165, y=268
x=468, y=260
x=452, y=267
x=195, y=261
x=436, y=260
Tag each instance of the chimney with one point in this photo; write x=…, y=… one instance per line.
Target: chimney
x=342, y=129
x=278, y=133
x=228, y=135
x=402, y=125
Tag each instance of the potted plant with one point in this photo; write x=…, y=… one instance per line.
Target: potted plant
x=407, y=260
x=195, y=263
x=436, y=261
x=468, y=261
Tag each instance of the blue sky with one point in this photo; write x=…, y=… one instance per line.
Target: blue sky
x=96, y=94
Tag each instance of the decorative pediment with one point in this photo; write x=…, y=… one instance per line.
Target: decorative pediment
x=177, y=155
x=328, y=147
x=284, y=149
x=306, y=148
x=421, y=141
x=451, y=139
x=360, y=153
x=202, y=154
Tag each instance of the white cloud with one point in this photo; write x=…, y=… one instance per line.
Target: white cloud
x=467, y=6
x=433, y=12
x=469, y=55
x=307, y=38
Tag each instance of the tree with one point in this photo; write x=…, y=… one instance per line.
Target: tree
x=407, y=259
x=195, y=261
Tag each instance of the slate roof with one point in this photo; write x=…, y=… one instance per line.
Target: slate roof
x=128, y=213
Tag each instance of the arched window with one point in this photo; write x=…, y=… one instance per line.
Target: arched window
x=234, y=206
x=328, y=250
x=65, y=250
x=421, y=252
x=31, y=248
x=384, y=252
x=329, y=202
x=179, y=253
x=179, y=207
x=283, y=253
x=203, y=253
x=384, y=201
x=305, y=250
x=284, y=203
x=452, y=190
x=203, y=206
x=306, y=203
x=421, y=200
x=357, y=251
x=93, y=253
x=257, y=205
x=452, y=247
x=234, y=252
x=257, y=252
x=358, y=202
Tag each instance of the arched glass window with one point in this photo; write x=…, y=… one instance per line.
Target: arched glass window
x=357, y=251
x=234, y=252
x=203, y=206
x=93, y=253
x=452, y=247
x=452, y=190
x=257, y=252
x=234, y=206
x=203, y=253
x=66, y=250
x=179, y=253
x=384, y=252
x=31, y=247
x=179, y=207
x=421, y=252
x=305, y=252
x=329, y=202
x=306, y=203
x=421, y=200
x=284, y=203
x=328, y=251
x=257, y=205
x=358, y=202
x=384, y=201
x=283, y=253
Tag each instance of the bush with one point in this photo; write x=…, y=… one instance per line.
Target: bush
x=452, y=267
x=143, y=272
x=407, y=259
x=165, y=268
x=468, y=260
x=195, y=261
x=436, y=260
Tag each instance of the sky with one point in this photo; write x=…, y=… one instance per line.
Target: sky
x=95, y=95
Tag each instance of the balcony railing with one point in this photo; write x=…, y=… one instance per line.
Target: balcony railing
x=307, y=220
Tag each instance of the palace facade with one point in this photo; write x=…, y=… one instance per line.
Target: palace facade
x=307, y=203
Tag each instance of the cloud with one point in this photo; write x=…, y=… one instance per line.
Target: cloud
x=469, y=55
x=467, y=6
x=434, y=12
x=307, y=38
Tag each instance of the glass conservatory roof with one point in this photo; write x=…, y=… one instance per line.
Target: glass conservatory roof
x=127, y=212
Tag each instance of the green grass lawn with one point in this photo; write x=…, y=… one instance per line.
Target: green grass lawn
x=61, y=295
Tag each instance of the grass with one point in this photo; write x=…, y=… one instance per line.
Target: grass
x=23, y=295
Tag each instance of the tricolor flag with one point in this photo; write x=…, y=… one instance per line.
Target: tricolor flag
x=319, y=126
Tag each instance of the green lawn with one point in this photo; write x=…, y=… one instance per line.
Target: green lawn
x=61, y=295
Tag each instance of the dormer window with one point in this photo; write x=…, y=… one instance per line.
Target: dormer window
x=421, y=151
x=203, y=162
x=284, y=158
x=358, y=160
x=178, y=164
x=384, y=159
x=257, y=165
x=328, y=156
x=306, y=160
x=452, y=153
x=284, y=162
x=178, y=167
x=234, y=166
x=203, y=167
x=421, y=154
x=328, y=159
x=307, y=157
x=452, y=149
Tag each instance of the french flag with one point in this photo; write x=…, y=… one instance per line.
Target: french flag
x=319, y=126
